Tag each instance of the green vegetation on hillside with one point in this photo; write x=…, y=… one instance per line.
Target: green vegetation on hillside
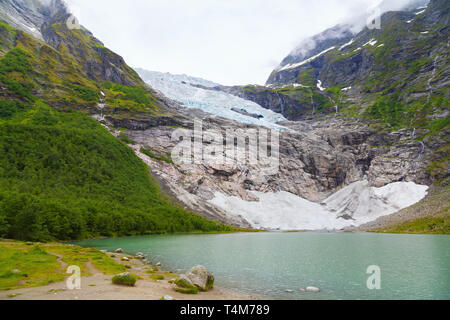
x=129, y=98
x=62, y=175
x=387, y=109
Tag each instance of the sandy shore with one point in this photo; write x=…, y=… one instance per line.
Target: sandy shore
x=99, y=287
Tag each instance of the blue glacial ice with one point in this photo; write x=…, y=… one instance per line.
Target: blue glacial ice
x=180, y=89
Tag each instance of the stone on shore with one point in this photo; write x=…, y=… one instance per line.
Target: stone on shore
x=201, y=277
x=185, y=285
x=312, y=289
x=120, y=250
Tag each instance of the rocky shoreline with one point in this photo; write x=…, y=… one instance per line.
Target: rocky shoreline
x=153, y=283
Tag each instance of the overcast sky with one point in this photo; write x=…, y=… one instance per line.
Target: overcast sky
x=227, y=41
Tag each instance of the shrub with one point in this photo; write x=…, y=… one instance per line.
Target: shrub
x=125, y=279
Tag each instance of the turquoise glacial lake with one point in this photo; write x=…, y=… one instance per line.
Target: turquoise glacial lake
x=267, y=265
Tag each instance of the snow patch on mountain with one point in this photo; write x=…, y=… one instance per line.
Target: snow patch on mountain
x=347, y=44
x=296, y=65
x=354, y=205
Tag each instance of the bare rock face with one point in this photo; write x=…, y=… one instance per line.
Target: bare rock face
x=316, y=159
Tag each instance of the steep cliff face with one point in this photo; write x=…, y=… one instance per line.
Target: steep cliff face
x=295, y=102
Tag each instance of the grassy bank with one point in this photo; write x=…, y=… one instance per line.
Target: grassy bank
x=28, y=264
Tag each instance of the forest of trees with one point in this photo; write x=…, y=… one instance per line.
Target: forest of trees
x=63, y=176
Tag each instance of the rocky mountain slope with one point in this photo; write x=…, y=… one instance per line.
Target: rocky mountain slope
x=392, y=78
x=405, y=62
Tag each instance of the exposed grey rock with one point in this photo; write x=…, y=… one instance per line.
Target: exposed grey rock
x=317, y=158
x=201, y=277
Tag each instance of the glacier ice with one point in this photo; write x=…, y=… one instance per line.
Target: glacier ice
x=180, y=88
x=353, y=205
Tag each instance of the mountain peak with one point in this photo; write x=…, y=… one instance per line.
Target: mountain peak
x=30, y=15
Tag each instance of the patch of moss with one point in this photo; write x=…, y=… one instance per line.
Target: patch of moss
x=191, y=290
x=183, y=283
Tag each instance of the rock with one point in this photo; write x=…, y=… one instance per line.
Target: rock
x=125, y=259
x=159, y=264
x=201, y=277
x=103, y=251
x=16, y=271
x=289, y=291
x=120, y=250
x=124, y=274
x=139, y=254
x=168, y=298
x=312, y=289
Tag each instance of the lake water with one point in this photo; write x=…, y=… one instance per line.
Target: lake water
x=268, y=264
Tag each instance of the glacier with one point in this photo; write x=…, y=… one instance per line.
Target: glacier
x=182, y=88
x=351, y=206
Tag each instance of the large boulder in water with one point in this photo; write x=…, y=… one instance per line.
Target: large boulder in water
x=201, y=277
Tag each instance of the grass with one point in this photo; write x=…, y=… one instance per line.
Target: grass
x=192, y=290
x=37, y=267
x=75, y=255
x=156, y=277
x=37, y=263
x=427, y=225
